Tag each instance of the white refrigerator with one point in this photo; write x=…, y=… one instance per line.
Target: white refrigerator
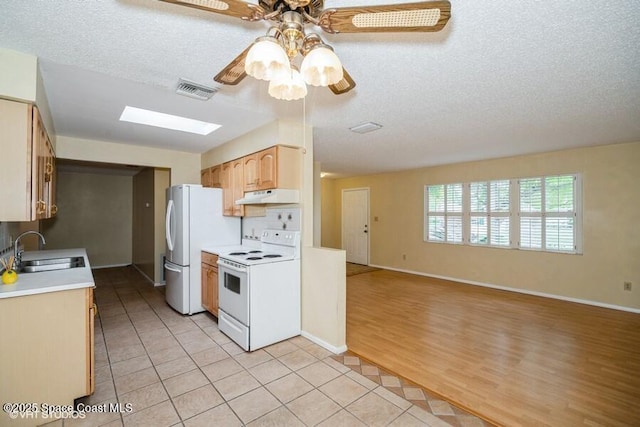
x=194, y=219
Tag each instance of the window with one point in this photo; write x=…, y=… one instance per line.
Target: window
x=541, y=213
x=443, y=221
x=548, y=213
x=489, y=213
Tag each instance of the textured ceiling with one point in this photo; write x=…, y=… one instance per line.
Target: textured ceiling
x=503, y=78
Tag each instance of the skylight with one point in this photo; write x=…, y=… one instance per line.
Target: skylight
x=166, y=121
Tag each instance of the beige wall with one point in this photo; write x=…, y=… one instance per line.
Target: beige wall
x=18, y=75
x=185, y=167
x=161, y=181
x=143, y=231
x=611, y=230
x=94, y=212
x=330, y=216
x=324, y=297
x=20, y=80
x=322, y=270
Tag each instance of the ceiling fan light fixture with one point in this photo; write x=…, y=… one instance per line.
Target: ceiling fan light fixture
x=266, y=59
x=321, y=66
x=289, y=86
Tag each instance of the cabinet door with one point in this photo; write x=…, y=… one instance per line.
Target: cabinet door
x=91, y=313
x=52, y=187
x=227, y=189
x=216, y=176
x=40, y=166
x=267, y=161
x=209, y=276
x=205, y=177
x=43, y=178
x=214, y=290
x=237, y=181
x=49, y=178
x=205, y=285
x=251, y=172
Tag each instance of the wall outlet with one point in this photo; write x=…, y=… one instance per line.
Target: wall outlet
x=627, y=286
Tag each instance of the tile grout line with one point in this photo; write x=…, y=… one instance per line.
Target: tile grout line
x=151, y=305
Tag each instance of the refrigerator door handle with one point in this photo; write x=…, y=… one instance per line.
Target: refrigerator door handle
x=171, y=269
x=168, y=235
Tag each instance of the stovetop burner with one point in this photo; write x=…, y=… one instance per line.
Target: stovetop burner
x=238, y=253
x=272, y=256
x=253, y=258
x=255, y=252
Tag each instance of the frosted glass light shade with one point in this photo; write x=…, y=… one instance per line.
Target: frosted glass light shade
x=321, y=67
x=289, y=86
x=266, y=59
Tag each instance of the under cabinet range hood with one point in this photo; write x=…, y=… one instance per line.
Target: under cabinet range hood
x=277, y=195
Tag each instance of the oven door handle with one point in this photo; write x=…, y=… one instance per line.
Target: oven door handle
x=232, y=268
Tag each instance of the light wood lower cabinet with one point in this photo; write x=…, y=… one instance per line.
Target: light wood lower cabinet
x=47, y=350
x=210, y=282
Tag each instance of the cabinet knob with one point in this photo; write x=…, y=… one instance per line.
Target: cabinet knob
x=54, y=209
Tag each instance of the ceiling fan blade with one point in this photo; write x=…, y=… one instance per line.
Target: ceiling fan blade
x=407, y=17
x=236, y=8
x=344, y=85
x=233, y=73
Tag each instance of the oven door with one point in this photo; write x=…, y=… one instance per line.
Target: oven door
x=233, y=291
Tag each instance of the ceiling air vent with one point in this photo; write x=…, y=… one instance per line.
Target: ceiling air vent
x=365, y=127
x=195, y=90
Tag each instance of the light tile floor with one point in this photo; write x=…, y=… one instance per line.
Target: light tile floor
x=178, y=370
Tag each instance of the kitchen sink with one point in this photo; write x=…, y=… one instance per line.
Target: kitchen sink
x=51, y=264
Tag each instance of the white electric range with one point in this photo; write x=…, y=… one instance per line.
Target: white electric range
x=259, y=289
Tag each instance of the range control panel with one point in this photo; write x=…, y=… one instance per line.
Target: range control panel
x=280, y=237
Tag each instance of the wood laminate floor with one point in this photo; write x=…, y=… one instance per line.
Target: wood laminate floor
x=513, y=359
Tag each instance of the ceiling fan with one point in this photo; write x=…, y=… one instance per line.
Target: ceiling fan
x=320, y=66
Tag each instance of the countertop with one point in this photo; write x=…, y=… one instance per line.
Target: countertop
x=50, y=281
x=220, y=250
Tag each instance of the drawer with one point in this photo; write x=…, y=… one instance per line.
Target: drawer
x=210, y=259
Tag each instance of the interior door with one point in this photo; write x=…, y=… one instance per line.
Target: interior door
x=355, y=225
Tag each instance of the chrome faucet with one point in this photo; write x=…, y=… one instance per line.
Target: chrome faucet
x=17, y=253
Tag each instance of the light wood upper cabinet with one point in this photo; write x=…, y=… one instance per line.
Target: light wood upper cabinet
x=211, y=177
x=237, y=185
x=268, y=168
x=28, y=190
x=46, y=170
x=232, y=187
x=227, y=190
x=275, y=167
x=251, y=172
x=216, y=176
x=205, y=177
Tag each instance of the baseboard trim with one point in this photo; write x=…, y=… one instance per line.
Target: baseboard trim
x=333, y=349
x=98, y=267
x=144, y=275
x=517, y=290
